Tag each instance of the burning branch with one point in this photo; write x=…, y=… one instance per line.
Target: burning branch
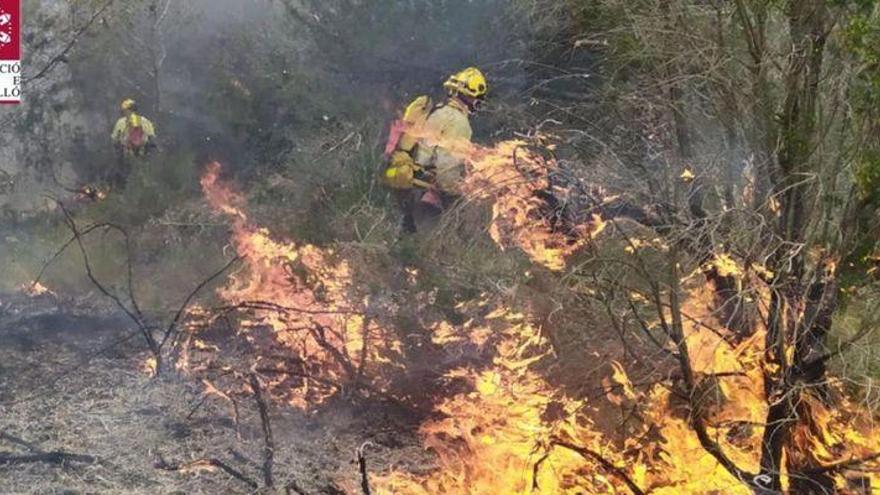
x=696, y=417
x=664, y=297
x=171, y=330
x=595, y=456
x=280, y=308
x=365, y=387
x=842, y=465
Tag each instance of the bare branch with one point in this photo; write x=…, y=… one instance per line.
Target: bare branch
x=269, y=450
x=172, y=326
x=57, y=457
x=362, y=467
x=605, y=463
x=207, y=463
x=61, y=56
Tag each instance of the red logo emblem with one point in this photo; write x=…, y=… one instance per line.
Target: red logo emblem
x=10, y=42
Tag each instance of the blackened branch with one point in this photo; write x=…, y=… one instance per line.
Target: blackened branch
x=57, y=457
x=605, y=463
x=269, y=450
x=207, y=463
x=362, y=467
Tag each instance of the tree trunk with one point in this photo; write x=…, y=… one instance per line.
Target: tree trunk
x=797, y=129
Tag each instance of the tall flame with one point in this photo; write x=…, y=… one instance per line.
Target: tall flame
x=516, y=180
x=512, y=431
x=306, y=297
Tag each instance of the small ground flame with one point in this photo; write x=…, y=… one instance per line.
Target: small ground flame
x=35, y=289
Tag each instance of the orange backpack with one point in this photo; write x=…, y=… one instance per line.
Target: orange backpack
x=137, y=138
x=415, y=115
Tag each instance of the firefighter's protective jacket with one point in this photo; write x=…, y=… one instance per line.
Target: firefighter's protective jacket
x=445, y=137
x=123, y=130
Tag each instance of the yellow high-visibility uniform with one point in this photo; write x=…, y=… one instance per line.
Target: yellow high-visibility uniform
x=121, y=129
x=445, y=137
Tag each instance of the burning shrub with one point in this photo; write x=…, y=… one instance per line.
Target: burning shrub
x=528, y=211
x=300, y=311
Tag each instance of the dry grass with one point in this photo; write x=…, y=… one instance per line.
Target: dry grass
x=111, y=410
x=125, y=420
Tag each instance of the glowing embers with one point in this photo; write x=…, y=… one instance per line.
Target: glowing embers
x=35, y=289
x=320, y=337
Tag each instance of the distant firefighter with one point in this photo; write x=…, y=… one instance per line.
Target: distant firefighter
x=425, y=165
x=133, y=133
x=133, y=136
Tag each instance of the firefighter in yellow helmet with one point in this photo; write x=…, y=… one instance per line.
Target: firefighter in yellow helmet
x=133, y=133
x=133, y=136
x=426, y=147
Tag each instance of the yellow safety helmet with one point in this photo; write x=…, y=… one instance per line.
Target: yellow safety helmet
x=469, y=82
x=127, y=104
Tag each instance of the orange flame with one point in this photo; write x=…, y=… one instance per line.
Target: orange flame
x=306, y=297
x=35, y=289
x=513, y=178
x=501, y=435
x=498, y=437
x=516, y=181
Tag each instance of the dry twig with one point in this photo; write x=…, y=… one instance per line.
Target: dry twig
x=269, y=451
x=207, y=464
x=362, y=467
x=57, y=457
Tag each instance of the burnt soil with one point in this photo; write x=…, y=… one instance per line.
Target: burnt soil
x=72, y=380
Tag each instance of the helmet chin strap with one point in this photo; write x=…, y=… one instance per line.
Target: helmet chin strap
x=473, y=104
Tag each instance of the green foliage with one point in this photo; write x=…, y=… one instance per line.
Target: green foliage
x=861, y=37
x=868, y=177
x=859, y=317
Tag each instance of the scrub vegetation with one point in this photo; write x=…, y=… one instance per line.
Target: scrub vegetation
x=661, y=277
